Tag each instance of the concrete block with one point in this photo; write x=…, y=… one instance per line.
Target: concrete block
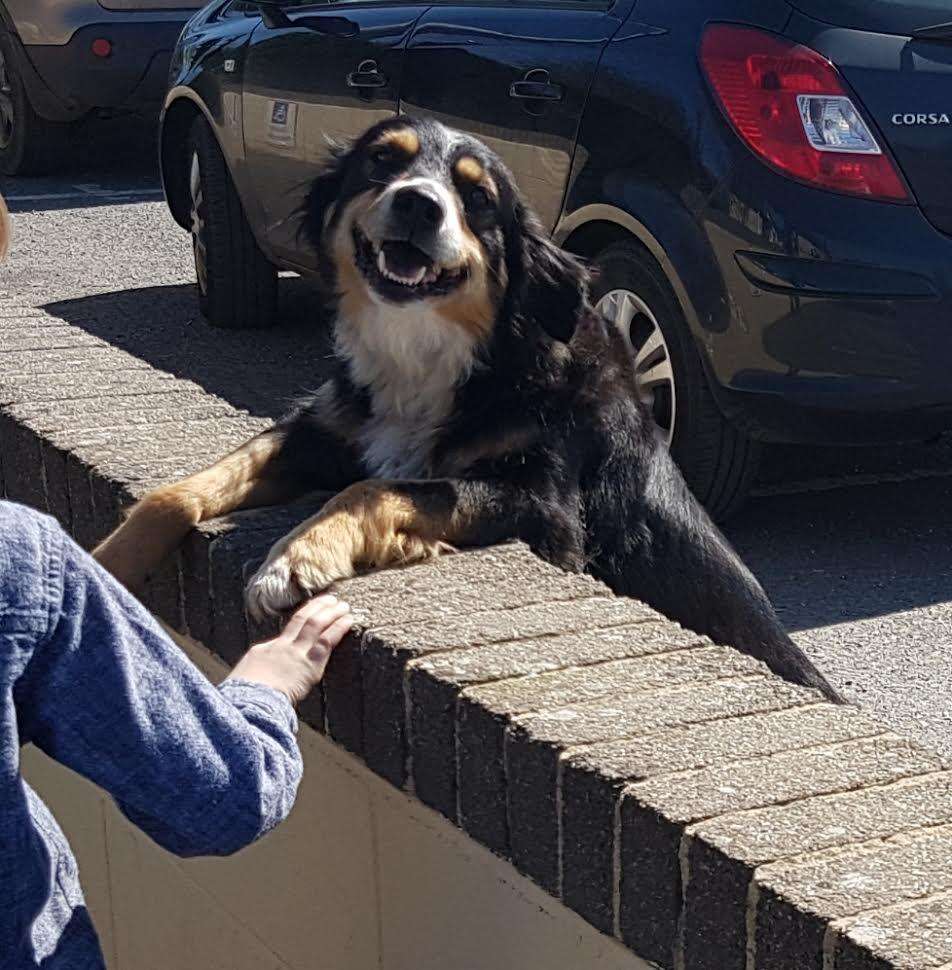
x=534, y=794
x=95, y=387
x=518, y=805
x=592, y=779
x=344, y=701
x=163, y=593
x=515, y=640
x=639, y=712
x=434, y=680
x=396, y=603
x=713, y=926
x=909, y=936
x=85, y=530
x=228, y=558
x=577, y=685
x=723, y=853
x=22, y=464
x=56, y=480
x=795, y=901
x=63, y=364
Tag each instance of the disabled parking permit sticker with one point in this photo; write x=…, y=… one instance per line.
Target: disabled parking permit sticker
x=282, y=121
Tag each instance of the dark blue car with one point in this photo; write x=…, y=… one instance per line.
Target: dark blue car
x=764, y=185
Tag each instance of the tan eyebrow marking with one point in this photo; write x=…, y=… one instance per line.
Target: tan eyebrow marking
x=469, y=169
x=402, y=139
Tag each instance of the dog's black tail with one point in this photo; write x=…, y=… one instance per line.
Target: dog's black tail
x=670, y=554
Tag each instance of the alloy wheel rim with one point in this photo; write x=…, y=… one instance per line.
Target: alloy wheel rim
x=7, y=112
x=197, y=224
x=654, y=373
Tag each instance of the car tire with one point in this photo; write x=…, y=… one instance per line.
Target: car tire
x=717, y=460
x=29, y=144
x=237, y=286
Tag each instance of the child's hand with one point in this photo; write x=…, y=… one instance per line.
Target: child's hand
x=294, y=661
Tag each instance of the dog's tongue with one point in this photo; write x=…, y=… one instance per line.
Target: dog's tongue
x=405, y=260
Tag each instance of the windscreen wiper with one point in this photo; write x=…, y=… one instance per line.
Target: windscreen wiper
x=935, y=32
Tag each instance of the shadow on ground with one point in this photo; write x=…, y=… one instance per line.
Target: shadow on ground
x=848, y=553
x=106, y=162
x=256, y=370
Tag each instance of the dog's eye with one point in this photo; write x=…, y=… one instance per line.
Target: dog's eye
x=478, y=200
x=380, y=157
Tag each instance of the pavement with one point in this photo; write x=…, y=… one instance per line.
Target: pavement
x=853, y=545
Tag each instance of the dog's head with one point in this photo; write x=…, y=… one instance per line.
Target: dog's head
x=413, y=213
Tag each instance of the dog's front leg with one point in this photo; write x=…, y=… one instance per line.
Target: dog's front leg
x=247, y=478
x=369, y=524
x=378, y=523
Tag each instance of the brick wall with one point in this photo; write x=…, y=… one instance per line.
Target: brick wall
x=671, y=791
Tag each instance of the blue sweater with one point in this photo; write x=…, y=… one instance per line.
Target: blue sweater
x=88, y=676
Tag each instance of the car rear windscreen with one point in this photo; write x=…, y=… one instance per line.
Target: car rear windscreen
x=882, y=16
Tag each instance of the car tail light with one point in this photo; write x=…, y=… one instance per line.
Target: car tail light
x=789, y=104
x=101, y=47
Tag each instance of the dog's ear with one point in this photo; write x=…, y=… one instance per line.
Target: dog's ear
x=547, y=284
x=323, y=193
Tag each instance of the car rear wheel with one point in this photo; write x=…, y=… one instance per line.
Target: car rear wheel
x=237, y=286
x=717, y=461
x=29, y=144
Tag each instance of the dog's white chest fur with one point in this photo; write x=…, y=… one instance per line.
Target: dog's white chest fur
x=411, y=360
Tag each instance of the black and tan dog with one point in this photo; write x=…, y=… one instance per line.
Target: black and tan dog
x=474, y=397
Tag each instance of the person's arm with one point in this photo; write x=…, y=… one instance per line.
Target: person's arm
x=202, y=770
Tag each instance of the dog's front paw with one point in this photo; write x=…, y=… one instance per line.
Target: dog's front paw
x=293, y=572
x=273, y=589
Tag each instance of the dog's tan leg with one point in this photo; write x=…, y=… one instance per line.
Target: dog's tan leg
x=371, y=524
x=247, y=478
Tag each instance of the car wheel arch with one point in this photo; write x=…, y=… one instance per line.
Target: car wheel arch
x=181, y=109
x=591, y=228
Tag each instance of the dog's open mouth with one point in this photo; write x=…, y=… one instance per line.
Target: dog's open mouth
x=401, y=272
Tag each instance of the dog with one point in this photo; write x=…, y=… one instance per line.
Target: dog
x=475, y=397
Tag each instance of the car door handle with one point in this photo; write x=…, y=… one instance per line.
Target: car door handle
x=536, y=90
x=367, y=75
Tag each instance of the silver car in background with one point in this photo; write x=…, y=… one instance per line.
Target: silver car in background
x=64, y=60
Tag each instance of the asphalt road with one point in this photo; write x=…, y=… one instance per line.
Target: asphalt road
x=854, y=546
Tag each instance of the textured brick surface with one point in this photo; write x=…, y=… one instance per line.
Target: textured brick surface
x=529, y=797
x=713, y=920
x=508, y=578
x=593, y=777
x=671, y=791
x=794, y=900
x=909, y=936
x=435, y=681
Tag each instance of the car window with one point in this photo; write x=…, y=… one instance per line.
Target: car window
x=241, y=8
x=887, y=16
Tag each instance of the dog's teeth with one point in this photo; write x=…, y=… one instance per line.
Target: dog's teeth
x=387, y=273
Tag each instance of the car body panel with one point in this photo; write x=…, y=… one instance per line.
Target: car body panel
x=878, y=16
x=51, y=45
x=793, y=362
x=55, y=21
x=811, y=322
x=905, y=87
x=200, y=84
x=291, y=113
x=480, y=52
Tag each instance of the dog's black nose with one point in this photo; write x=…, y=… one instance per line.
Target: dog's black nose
x=420, y=206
